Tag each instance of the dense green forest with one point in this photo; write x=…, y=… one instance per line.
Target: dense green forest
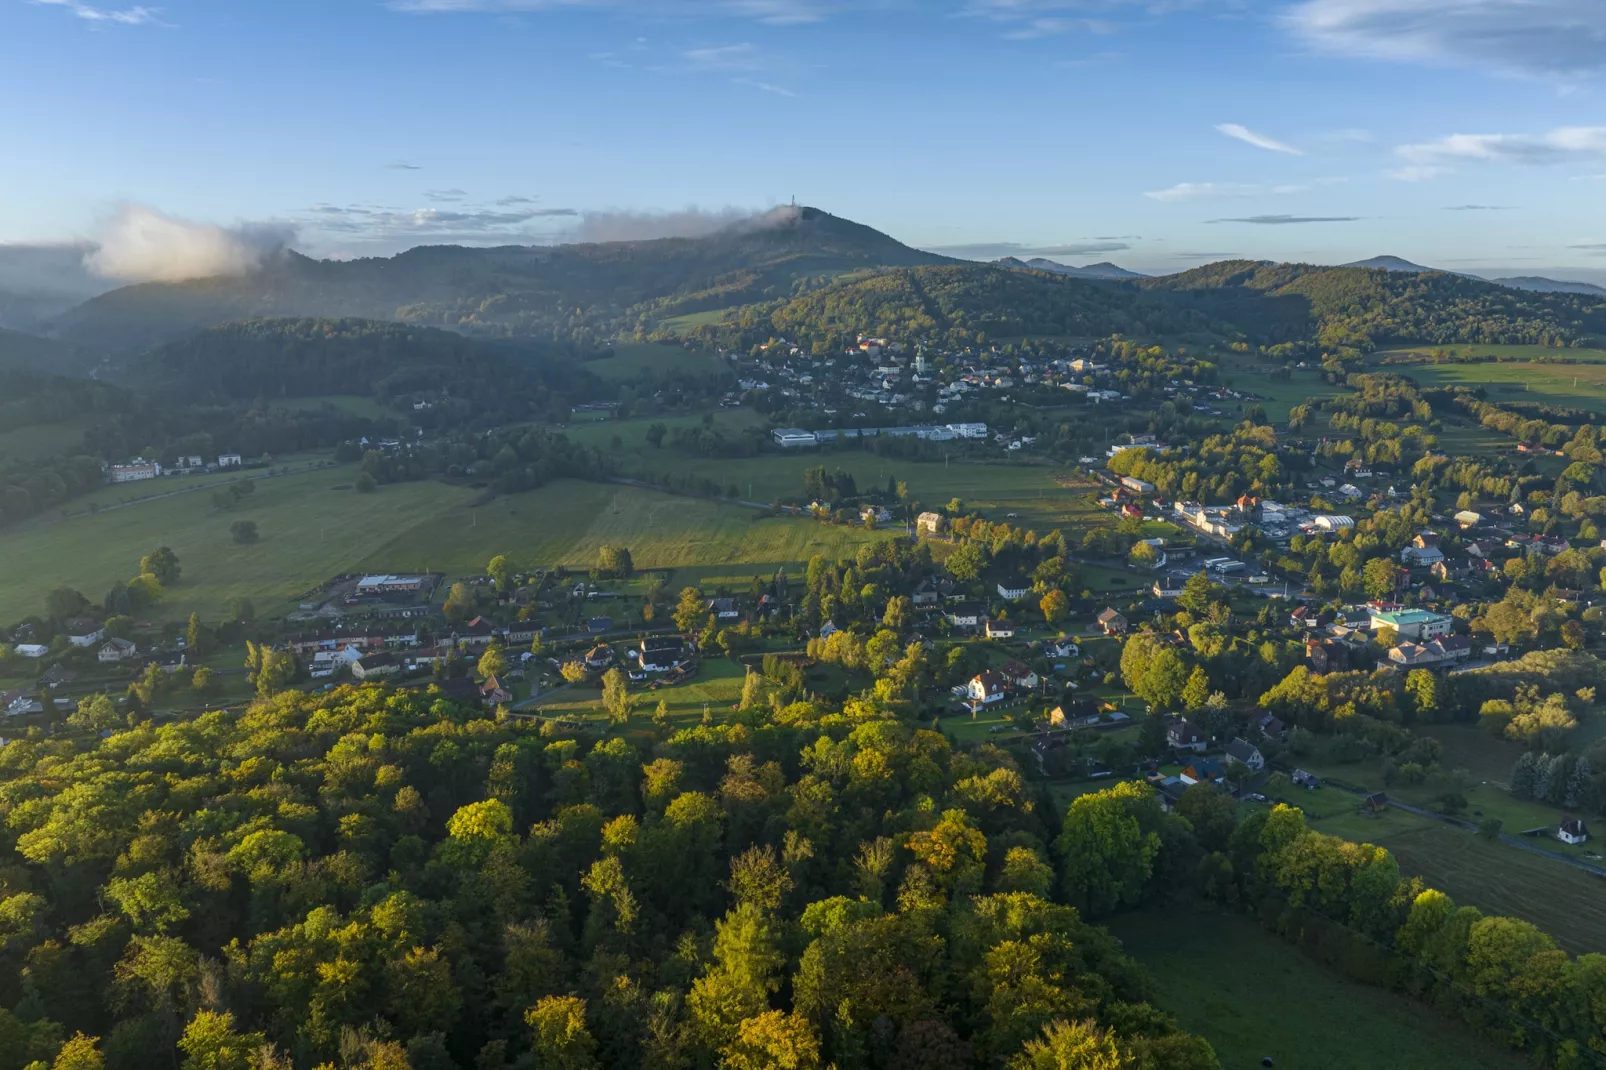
x=397, y=364
x=1265, y=304
x=391, y=880
x=1364, y=308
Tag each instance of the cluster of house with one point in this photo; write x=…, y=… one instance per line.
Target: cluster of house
x=1189, y=745
x=1335, y=641
x=141, y=469
x=897, y=376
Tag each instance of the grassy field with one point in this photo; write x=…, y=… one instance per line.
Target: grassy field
x=314, y=526
x=1572, y=385
x=1305, y=383
x=1254, y=996
x=1568, y=903
x=1528, y=353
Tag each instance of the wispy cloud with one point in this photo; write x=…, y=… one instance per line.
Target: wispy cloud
x=127, y=16
x=742, y=57
x=1550, y=38
x=1055, y=27
x=766, y=87
x=1478, y=208
x=1259, y=141
x=400, y=166
x=1286, y=220
x=445, y=196
x=773, y=12
x=1204, y=191
x=998, y=250
x=1558, y=146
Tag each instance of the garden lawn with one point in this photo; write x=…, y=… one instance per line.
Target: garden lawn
x=1253, y=996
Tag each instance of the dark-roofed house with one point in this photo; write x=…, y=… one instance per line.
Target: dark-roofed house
x=600, y=657
x=1021, y=675
x=988, y=687
x=376, y=666
x=1112, y=623
x=1572, y=831
x=1376, y=803
x=1000, y=629
x=725, y=608
x=661, y=653
x=966, y=614
x=1245, y=752
x=1203, y=771
x=1185, y=735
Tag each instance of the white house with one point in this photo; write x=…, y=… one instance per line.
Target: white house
x=31, y=650
x=1419, y=624
x=965, y=615
x=1000, y=629
x=230, y=460
x=1241, y=750
x=85, y=632
x=1572, y=831
x=662, y=653
x=116, y=650
x=1013, y=590
x=987, y=688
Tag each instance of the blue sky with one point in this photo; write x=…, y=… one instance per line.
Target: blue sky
x=1467, y=134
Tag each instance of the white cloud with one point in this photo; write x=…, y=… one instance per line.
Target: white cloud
x=128, y=16
x=1429, y=159
x=1260, y=141
x=1204, y=191
x=1551, y=38
x=141, y=244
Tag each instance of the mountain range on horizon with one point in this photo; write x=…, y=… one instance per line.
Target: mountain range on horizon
x=584, y=295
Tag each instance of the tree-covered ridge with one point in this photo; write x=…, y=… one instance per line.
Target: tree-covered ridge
x=394, y=363
x=569, y=294
x=1362, y=308
x=965, y=305
x=390, y=880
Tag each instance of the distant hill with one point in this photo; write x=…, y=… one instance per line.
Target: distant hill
x=394, y=363
x=1103, y=270
x=584, y=291
x=1539, y=284
x=1389, y=263
x=1364, y=307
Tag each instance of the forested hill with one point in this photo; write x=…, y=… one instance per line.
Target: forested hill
x=394, y=363
x=1264, y=304
x=20, y=351
x=1365, y=308
x=969, y=304
x=570, y=293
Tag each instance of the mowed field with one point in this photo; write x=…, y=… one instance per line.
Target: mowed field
x=1497, y=878
x=1253, y=997
x=314, y=526
x=1572, y=385
x=1033, y=491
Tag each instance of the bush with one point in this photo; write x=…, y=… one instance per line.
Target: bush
x=244, y=531
x=366, y=484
